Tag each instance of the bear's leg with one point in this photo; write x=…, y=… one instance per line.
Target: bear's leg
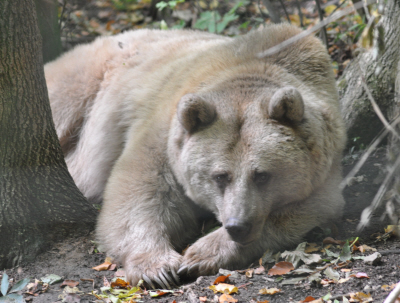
x=146, y=219
x=282, y=229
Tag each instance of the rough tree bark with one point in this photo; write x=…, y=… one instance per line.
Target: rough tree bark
x=47, y=15
x=380, y=74
x=39, y=201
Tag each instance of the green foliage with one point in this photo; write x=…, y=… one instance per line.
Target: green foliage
x=171, y=4
x=214, y=22
x=10, y=295
x=123, y=5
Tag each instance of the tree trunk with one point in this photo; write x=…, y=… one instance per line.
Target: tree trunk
x=380, y=75
x=39, y=201
x=47, y=15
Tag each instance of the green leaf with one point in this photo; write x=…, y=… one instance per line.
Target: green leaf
x=18, y=298
x=4, y=284
x=161, y=5
x=225, y=21
x=327, y=296
x=51, y=279
x=345, y=254
x=19, y=285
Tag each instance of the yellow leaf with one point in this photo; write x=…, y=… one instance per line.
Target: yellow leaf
x=227, y=299
x=360, y=297
x=224, y=288
x=269, y=291
x=329, y=9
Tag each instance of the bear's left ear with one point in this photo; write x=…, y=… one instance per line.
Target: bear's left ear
x=193, y=112
x=286, y=103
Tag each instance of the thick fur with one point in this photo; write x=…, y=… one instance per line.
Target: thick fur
x=168, y=126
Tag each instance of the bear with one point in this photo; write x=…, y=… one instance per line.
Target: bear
x=168, y=129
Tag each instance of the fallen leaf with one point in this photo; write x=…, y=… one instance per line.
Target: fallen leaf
x=159, y=293
x=269, y=291
x=224, y=288
x=120, y=283
x=388, y=287
x=281, y=268
x=225, y=298
x=221, y=279
x=260, y=270
x=327, y=282
x=70, y=283
x=363, y=248
x=266, y=301
x=104, y=266
x=332, y=274
x=308, y=299
x=345, y=270
x=249, y=273
x=51, y=279
x=330, y=240
x=360, y=275
x=360, y=297
x=311, y=247
x=298, y=255
x=203, y=299
x=344, y=280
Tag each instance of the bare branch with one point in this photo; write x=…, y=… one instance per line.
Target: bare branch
x=277, y=48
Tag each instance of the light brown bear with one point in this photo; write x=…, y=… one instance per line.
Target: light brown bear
x=167, y=127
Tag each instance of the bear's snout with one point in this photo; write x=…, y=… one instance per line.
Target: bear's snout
x=238, y=230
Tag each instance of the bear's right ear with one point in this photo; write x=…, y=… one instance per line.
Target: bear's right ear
x=287, y=103
x=193, y=112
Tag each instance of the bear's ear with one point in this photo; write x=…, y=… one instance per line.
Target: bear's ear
x=287, y=103
x=193, y=112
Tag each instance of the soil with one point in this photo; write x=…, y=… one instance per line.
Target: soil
x=74, y=259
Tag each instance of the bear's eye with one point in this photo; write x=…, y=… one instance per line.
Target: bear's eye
x=222, y=180
x=261, y=178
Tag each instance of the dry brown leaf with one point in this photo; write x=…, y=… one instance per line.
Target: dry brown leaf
x=280, y=268
x=120, y=283
x=311, y=247
x=224, y=288
x=221, y=279
x=203, y=299
x=260, y=270
x=345, y=270
x=327, y=282
x=360, y=275
x=308, y=299
x=363, y=248
x=330, y=240
x=388, y=287
x=225, y=298
x=269, y=291
x=266, y=301
x=70, y=283
x=360, y=297
x=249, y=273
x=103, y=266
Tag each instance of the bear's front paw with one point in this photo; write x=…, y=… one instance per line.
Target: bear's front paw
x=158, y=269
x=210, y=253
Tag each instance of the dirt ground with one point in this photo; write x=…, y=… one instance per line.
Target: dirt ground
x=74, y=259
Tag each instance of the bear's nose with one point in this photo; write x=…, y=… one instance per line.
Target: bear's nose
x=238, y=230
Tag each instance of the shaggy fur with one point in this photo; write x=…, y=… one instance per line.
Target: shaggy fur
x=167, y=127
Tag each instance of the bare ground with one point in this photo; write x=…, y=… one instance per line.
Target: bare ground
x=74, y=259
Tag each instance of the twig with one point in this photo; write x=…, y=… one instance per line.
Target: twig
x=394, y=294
x=390, y=252
x=323, y=34
x=284, y=9
x=366, y=154
x=244, y=285
x=300, y=13
x=277, y=48
x=366, y=214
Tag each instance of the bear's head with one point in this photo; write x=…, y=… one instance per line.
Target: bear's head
x=238, y=152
